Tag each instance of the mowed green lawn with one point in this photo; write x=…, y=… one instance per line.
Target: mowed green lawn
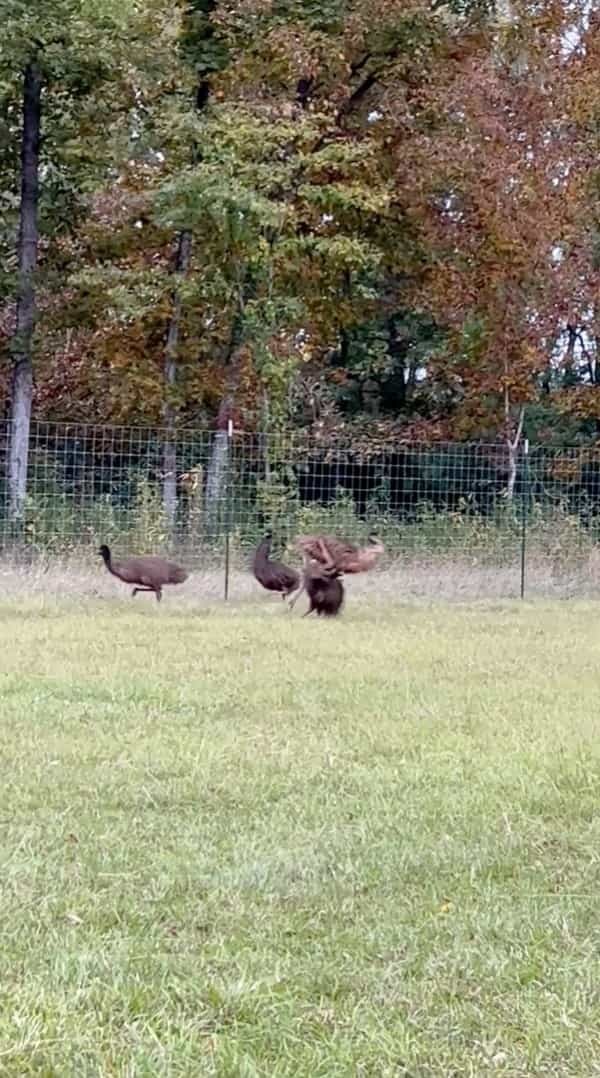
x=236, y=842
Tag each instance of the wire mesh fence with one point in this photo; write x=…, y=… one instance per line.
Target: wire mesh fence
x=472, y=518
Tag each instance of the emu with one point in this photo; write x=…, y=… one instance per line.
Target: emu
x=274, y=575
x=325, y=591
x=336, y=556
x=148, y=573
x=339, y=554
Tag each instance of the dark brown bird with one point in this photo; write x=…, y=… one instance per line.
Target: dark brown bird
x=148, y=573
x=325, y=591
x=274, y=575
x=336, y=556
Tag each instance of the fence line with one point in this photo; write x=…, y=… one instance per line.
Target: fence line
x=453, y=505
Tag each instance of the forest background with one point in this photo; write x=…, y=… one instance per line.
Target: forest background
x=372, y=220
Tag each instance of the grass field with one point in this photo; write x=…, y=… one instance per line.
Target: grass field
x=236, y=842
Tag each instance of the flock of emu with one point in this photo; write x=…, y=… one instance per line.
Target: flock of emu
x=325, y=561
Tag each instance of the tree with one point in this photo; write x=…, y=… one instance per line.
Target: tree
x=496, y=205
x=27, y=256
x=395, y=204
x=202, y=51
x=280, y=187
x=56, y=59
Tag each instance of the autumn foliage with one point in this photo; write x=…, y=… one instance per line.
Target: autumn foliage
x=393, y=209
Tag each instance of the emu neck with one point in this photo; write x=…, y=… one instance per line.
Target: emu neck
x=262, y=552
x=107, y=558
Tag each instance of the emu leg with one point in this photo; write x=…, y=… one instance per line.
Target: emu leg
x=326, y=560
x=158, y=594
x=297, y=596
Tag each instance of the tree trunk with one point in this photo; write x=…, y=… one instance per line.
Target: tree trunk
x=22, y=375
x=266, y=437
x=216, y=483
x=216, y=473
x=569, y=377
x=512, y=446
x=184, y=250
x=512, y=469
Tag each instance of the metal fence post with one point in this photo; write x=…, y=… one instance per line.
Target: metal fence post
x=524, y=508
x=228, y=509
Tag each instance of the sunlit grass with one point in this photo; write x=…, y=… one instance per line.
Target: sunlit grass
x=237, y=842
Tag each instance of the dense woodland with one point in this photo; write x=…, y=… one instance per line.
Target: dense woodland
x=379, y=218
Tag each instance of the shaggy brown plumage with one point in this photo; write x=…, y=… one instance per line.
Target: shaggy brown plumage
x=337, y=554
x=325, y=592
x=148, y=573
x=274, y=575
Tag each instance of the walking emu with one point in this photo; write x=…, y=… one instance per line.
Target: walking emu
x=274, y=575
x=148, y=573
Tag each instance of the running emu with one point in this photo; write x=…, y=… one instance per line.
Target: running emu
x=148, y=573
x=274, y=575
x=325, y=591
